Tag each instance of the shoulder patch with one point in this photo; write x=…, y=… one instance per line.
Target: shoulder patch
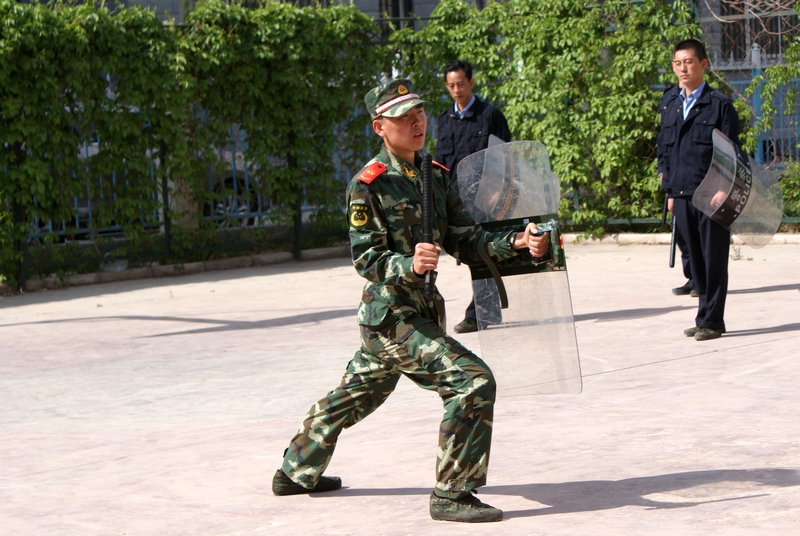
x=440, y=166
x=371, y=172
x=359, y=214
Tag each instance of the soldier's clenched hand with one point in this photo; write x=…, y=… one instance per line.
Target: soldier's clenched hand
x=426, y=257
x=537, y=244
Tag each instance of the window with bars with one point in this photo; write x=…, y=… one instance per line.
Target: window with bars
x=394, y=13
x=743, y=23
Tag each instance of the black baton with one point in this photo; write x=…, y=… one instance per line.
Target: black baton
x=672, y=239
x=427, y=218
x=672, y=245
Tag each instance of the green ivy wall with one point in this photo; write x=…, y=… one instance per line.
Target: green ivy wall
x=159, y=102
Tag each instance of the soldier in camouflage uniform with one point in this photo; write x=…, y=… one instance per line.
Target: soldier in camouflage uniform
x=402, y=330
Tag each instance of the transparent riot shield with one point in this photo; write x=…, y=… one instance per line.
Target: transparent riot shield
x=740, y=194
x=531, y=345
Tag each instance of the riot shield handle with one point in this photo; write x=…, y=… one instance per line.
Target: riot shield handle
x=556, y=243
x=501, y=288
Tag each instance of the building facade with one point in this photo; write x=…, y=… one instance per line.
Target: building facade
x=744, y=37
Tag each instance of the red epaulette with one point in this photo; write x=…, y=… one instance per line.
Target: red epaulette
x=437, y=164
x=369, y=173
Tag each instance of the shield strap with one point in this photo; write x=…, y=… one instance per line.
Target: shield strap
x=483, y=251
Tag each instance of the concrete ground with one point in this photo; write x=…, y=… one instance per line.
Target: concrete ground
x=163, y=407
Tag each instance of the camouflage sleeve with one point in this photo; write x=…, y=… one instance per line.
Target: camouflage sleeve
x=369, y=240
x=463, y=234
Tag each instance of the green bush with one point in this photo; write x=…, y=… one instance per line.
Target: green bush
x=577, y=77
x=790, y=184
x=154, y=105
x=85, y=102
x=122, y=112
x=8, y=256
x=291, y=79
x=775, y=77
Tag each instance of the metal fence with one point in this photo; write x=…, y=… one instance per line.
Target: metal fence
x=778, y=146
x=735, y=27
x=239, y=195
x=239, y=201
x=82, y=225
x=745, y=37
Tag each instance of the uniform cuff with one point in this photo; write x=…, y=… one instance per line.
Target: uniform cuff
x=408, y=265
x=501, y=249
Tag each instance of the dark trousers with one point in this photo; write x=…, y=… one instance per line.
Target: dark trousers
x=487, y=311
x=708, y=245
x=471, y=312
x=681, y=243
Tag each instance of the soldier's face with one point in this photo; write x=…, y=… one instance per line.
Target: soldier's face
x=403, y=135
x=688, y=69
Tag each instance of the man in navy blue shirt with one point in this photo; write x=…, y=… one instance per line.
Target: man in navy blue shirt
x=692, y=112
x=462, y=130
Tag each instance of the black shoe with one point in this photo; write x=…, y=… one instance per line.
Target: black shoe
x=283, y=485
x=466, y=509
x=706, y=334
x=694, y=294
x=468, y=325
x=684, y=290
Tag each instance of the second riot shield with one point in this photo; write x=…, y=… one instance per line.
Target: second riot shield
x=530, y=345
x=740, y=194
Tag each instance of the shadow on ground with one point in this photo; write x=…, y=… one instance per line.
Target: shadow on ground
x=684, y=490
x=630, y=314
x=174, y=279
x=773, y=288
x=220, y=325
x=761, y=331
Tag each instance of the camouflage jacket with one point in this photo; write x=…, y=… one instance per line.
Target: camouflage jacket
x=385, y=217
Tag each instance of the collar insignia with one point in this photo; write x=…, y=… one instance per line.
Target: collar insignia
x=409, y=172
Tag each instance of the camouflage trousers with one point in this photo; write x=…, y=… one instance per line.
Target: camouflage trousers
x=419, y=349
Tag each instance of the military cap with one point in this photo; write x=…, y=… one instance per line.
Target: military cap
x=392, y=99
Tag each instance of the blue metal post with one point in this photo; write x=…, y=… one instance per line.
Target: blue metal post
x=755, y=58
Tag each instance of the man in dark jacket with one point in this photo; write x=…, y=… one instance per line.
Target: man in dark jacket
x=462, y=130
x=691, y=115
x=688, y=287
